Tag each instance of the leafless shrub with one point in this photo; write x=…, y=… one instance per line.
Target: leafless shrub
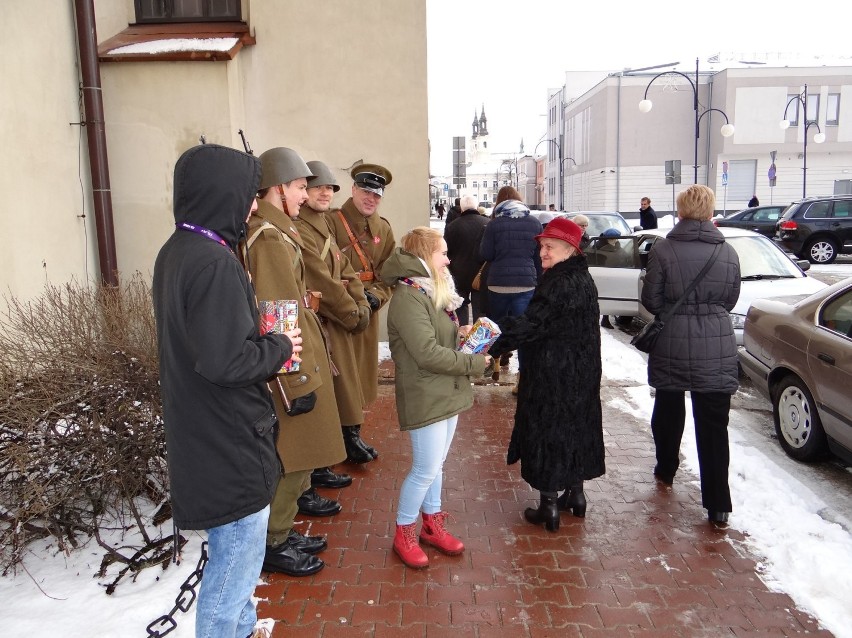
x=81, y=436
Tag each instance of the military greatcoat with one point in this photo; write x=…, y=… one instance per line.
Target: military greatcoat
x=313, y=439
x=375, y=237
x=329, y=271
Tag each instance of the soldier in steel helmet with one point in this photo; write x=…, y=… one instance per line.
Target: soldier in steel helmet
x=344, y=310
x=310, y=427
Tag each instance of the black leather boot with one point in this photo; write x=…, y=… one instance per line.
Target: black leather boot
x=573, y=500
x=366, y=445
x=324, y=477
x=546, y=513
x=355, y=450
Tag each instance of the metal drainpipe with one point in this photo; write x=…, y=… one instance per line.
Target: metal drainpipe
x=96, y=137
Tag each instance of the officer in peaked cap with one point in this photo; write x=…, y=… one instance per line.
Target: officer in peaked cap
x=371, y=177
x=366, y=239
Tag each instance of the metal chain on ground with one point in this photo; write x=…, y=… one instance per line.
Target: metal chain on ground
x=166, y=624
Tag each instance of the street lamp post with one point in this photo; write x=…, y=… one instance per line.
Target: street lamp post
x=819, y=138
x=559, y=156
x=727, y=129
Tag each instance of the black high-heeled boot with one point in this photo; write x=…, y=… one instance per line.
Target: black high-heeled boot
x=573, y=500
x=546, y=513
x=355, y=450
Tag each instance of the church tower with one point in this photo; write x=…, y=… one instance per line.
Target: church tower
x=483, y=127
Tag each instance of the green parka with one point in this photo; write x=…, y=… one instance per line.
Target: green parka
x=431, y=376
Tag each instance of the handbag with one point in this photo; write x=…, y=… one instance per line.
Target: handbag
x=477, y=278
x=646, y=339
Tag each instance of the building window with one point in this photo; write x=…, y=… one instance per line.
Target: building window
x=832, y=109
x=495, y=183
x=476, y=185
x=813, y=108
x=793, y=104
x=187, y=10
x=505, y=182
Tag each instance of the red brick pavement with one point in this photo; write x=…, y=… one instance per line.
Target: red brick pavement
x=644, y=561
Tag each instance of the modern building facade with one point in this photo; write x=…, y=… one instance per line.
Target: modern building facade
x=603, y=153
x=309, y=75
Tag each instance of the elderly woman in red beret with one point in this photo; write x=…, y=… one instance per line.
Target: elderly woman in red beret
x=558, y=434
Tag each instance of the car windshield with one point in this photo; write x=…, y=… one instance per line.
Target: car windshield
x=761, y=259
x=599, y=223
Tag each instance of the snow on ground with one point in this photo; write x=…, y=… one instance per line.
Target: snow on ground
x=802, y=554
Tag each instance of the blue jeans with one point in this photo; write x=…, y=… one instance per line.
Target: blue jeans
x=508, y=304
x=225, y=608
x=421, y=489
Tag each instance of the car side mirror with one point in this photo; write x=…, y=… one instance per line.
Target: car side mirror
x=636, y=229
x=804, y=264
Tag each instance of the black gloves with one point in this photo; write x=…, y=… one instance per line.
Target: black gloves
x=372, y=300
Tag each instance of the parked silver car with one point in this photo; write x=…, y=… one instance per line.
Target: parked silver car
x=798, y=352
x=617, y=266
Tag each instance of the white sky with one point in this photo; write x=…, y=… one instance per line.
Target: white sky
x=805, y=556
x=507, y=54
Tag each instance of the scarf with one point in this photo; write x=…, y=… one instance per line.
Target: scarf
x=511, y=208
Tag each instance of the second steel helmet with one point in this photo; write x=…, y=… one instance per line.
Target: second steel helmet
x=322, y=176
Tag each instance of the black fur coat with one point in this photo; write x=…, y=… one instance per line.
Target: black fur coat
x=558, y=434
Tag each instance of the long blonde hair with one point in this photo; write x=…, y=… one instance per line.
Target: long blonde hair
x=422, y=242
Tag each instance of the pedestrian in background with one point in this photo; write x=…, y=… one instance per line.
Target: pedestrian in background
x=509, y=246
x=696, y=350
x=454, y=212
x=220, y=423
x=463, y=240
x=432, y=384
x=753, y=202
x=558, y=433
x=647, y=215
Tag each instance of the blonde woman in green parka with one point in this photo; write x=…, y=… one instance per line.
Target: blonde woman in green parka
x=432, y=383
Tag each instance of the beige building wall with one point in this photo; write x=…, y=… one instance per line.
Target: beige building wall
x=43, y=158
x=335, y=80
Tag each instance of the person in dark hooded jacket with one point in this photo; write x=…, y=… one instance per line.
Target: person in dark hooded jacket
x=217, y=410
x=696, y=350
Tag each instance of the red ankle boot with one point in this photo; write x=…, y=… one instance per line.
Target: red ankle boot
x=406, y=547
x=435, y=534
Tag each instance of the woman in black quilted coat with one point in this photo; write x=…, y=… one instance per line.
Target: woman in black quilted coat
x=558, y=434
x=697, y=350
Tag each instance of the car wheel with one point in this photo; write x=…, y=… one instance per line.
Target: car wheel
x=796, y=420
x=821, y=251
x=623, y=321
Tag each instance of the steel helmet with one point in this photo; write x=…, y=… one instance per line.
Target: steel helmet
x=281, y=165
x=322, y=176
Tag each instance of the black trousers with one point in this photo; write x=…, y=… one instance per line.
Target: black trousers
x=710, y=414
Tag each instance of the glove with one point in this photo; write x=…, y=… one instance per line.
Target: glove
x=363, y=319
x=372, y=300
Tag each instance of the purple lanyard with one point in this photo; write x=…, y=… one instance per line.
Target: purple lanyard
x=209, y=234
x=408, y=282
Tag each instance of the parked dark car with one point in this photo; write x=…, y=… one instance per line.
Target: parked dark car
x=817, y=228
x=760, y=219
x=798, y=352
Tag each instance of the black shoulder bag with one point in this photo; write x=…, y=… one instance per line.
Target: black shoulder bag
x=646, y=339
